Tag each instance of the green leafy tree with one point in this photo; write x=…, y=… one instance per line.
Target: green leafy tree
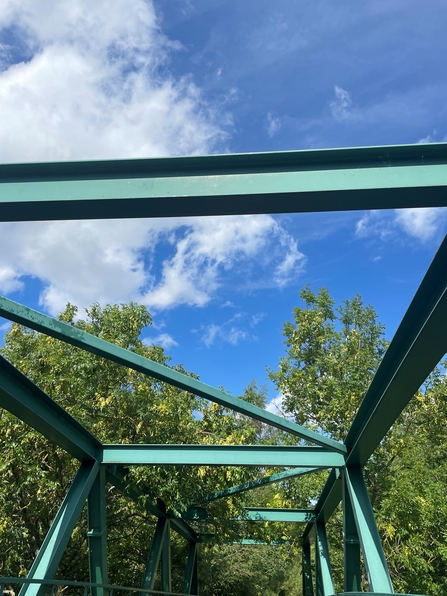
x=332, y=355
x=118, y=405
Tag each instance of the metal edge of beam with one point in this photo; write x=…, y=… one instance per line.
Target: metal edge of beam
x=372, y=156
x=47, y=560
x=272, y=514
x=221, y=455
x=418, y=345
x=328, y=501
x=22, y=398
x=69, y=334
x=252, y=484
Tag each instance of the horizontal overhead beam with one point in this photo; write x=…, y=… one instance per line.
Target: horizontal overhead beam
x=25, y=400
x=251, y=484
x=71, y=335
x=283, y=182
x=221, y=455
x=418, y=345
x=279, y=515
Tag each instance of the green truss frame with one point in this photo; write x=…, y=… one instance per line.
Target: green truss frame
x=301, y=181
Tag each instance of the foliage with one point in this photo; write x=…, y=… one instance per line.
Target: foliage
x=118, y=405
x=332, y=355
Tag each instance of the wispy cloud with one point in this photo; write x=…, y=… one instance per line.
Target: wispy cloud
x=237, y=329
x=273, y=125
x=164, y=340
x=341, y=106
x=423, y=224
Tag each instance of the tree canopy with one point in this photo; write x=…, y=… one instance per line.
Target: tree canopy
x=332, y=353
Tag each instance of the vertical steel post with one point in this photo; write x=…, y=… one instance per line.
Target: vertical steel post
x=325, y=586
x=351, y=545
x=166, y=560
x=47, y=561
x=97, y=533
x=308, y=589
x=154, y=555
x=191, y=570
x=375, y=562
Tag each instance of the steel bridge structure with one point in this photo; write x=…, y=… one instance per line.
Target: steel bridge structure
x=286, y=182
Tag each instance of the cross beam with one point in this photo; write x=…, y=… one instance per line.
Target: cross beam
x=282, y=182
x=221, y=455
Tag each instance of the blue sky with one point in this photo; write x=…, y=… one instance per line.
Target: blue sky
x=134, y=78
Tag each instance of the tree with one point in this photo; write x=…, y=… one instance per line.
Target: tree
x=332, y=355
x=117, y=405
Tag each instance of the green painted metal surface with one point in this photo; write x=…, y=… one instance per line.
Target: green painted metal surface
x=221, y=455
x=308, y=588
x=252, y=484
x=44, y=324
x=25, y=400
x=56, y=540
x=279, y=515
x=150, y=573
x=322, y=180
x=417, y=347
x=325, y=585
x=375, y=562
x=97, y=533
x=317, y=180
x=190, y=581
x=351, y=545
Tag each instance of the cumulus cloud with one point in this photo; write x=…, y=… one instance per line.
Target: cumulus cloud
x=91, y=87
x=424, y=223
x=164, y=340
x=87, y=84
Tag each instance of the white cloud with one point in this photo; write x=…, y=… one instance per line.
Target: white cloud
x=273, y=125
x=164, y=340
x=9, y=281
x=423, y=224
x=275, y=405
x=341, y=106
x=92, y=88
x=112, y=261
x=232, y=331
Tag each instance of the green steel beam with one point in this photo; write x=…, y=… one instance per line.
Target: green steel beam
x=251, y=484
x=278, y=515
x=117, y=477
x=150, y=573
x=166, y=584
x=351, y=545
x=25, y=400
x=375, y=562
x=44, y=324
x=325, y=585
x=297, y=181
x=327, y=503
x=97, y=533
x=47, y=561
x=254, y=542
x=190, y=578
x=308, y=588
x=418, y=345
x=221, y=455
